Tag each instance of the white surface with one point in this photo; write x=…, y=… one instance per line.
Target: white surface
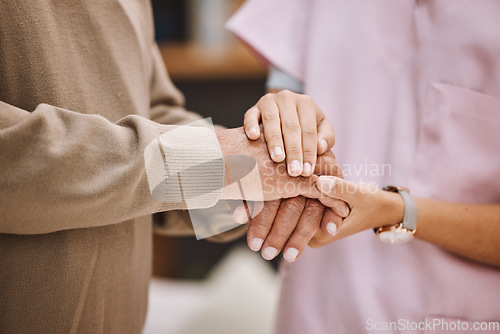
x=239, y=297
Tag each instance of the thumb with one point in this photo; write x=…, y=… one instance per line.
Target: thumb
x=337, y=188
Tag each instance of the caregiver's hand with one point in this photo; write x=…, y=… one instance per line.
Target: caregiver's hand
x=294, y=126
x=370, y=207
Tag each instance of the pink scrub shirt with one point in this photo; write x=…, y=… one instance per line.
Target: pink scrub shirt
x=413, y=92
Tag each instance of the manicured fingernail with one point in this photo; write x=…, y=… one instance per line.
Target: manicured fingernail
x=256, y=244
x=277, y=153
x=240, y=215
x=323, y=146
x=269, y=253
x=331, y=228
x=346, y=211
x=294, y=168
x=325, y=184
x=291, y=254
x=307, y=169
x=254, y=133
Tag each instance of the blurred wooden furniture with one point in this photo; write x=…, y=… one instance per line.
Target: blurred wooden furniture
x=186, y=61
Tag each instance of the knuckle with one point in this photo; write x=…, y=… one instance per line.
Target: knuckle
x=315, y=205
x=286, y=93
x=294, y=150
x=277, y=238
x=292, y=126
x=308, y=228
x=304, y=234
x=280, y=236
x=294, y=206
x=270, y=116
x=267, y=97
x=301, y=200
x=310, y=151
x=273, y=138
x=310, y=156
x=309, y=130
x=259, y=225
x=286, y=96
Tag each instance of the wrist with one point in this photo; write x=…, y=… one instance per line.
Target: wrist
x=219, y=133
x=392, y=209
x=221, y=138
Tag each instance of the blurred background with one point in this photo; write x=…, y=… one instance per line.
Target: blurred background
x=199, y=286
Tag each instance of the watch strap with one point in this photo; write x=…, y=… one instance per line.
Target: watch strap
x=410, y=216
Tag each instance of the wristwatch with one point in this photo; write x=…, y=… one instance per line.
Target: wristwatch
x=403, y=231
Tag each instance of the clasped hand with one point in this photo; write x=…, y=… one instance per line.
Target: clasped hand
x=291, y=148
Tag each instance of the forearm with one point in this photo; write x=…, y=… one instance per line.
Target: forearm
x=469, y=230
x=63, y=170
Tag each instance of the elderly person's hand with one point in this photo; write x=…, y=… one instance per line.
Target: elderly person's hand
x=272, y=181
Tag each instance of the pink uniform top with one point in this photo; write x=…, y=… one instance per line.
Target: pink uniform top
x=413, y=92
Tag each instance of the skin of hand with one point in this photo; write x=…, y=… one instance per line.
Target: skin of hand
x=273, y=178
x=468, y=230
x=290, y=224
x=294, y=122
x=294, y=126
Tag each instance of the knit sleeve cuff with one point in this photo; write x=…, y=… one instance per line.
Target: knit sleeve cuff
x=185, y=168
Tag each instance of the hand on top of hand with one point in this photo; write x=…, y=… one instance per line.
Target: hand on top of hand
x=291, y=224
x=272, y=182
x=294, y=127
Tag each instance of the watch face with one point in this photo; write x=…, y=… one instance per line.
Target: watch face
x=395, y=236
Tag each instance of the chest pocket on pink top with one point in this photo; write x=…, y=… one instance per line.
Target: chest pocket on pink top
x=458, y=154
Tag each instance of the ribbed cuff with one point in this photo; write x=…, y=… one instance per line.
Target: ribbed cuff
x=191, y=172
